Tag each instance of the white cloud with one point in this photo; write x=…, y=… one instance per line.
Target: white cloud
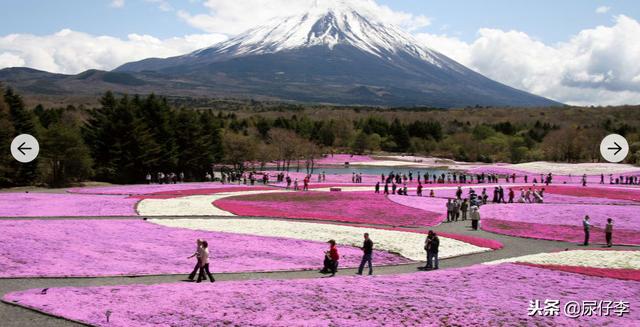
x=602, y=10
x=117, y=3
x=72, y=52
x=233, y=17
x=162, y=4
x=596, y=66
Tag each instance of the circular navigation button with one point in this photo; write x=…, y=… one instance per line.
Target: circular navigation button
x=25, y=148
x=614, y=148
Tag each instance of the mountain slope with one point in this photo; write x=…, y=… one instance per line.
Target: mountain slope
x=331, y=54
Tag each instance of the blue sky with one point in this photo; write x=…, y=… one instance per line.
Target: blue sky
x=546, y=20
x=574, y=51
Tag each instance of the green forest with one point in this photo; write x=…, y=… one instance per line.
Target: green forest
x=125, y=137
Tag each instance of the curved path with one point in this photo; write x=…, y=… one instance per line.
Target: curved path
x=513, y=247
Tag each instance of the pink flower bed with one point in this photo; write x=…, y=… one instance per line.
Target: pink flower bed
x=355, y=207
x=202, y=191
x=148, y=189
x=624, y=216
x=64, y=205
x=570, y=199
x=567, y=233
x=59, y=248
x=422, y=203
x=558, y=179
x=613, y=193
x=624, y=274
x=477, y=241
x=473, y=296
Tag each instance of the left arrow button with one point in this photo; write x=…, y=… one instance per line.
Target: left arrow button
x=25, y=148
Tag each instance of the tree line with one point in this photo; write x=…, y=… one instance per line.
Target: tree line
x=124, y=138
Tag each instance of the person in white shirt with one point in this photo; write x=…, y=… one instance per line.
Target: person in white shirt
x=204, y=263
x=198, y=255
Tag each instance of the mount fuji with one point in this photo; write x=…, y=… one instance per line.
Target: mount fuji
x=333, y=54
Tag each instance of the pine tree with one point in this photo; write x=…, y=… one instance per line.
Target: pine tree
x=6, y=135
x=23, y=122
x=400, y=135
x=159, y=117
x=192, y=147
x=99, y=136
x=120, y=142
x=65, y=157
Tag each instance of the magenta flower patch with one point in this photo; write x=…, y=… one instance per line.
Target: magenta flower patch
x=567, y=233
x=356, y=207
x=473, y=296
x=64, y=205
x=80, y=248
x=202, y=191
x=148, y=189
x=624, y=274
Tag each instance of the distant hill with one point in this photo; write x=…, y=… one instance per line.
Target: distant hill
x=330, y=55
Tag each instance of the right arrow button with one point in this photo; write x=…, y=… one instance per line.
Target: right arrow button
x=614, y=148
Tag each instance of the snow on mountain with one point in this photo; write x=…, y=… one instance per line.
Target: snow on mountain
x=327, y=23
x=336, y=52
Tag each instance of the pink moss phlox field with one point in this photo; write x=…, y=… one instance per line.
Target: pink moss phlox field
x=565, y=233
x=477, y=241
x=422, y=203
x=61, y=248
x=624, y=274
x=624, y=216
x=473, y=296
x=557, y=178
x=356, y=207
x=473, y=240
x=148, y=188
x=64, y=205
x=613, y=193
x=203, y=191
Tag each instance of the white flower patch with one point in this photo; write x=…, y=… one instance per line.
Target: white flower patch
x=581, y=258
x=407, y=244
x=196, y=205
x=574, y=169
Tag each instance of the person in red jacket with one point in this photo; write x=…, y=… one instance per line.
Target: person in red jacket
x=333, y=254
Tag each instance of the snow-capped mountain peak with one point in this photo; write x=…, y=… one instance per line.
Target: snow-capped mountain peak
x=327, y=23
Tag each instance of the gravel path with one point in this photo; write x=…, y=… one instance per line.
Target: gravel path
x=14, y=316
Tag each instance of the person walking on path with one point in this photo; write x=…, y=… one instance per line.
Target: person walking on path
x=432, y=244
x=587, y=227
x=204, y=266
x=464, y=208
x=475, y=217
x=608, y=232
x=367, y=249
x=198, y=255
x=449, y=210
x=378, y=188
